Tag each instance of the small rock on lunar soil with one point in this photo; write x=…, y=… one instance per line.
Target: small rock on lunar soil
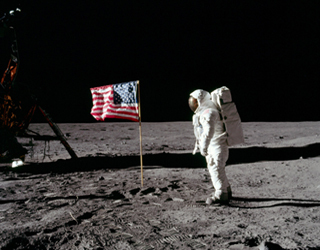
x=56, y=203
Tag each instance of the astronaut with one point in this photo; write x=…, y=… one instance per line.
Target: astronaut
x=211, y=141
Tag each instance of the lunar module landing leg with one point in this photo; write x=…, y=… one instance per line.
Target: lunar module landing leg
x=58, y=133
x=16, y=109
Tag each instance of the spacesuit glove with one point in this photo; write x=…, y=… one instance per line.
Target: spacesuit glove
x=203, y=152
x=196, y=147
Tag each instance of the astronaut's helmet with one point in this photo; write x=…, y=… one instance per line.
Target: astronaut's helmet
x=193, y=103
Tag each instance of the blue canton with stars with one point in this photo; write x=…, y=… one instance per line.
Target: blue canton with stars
x=124, y=93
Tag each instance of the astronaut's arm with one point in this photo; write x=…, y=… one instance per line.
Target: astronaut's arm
x=196, y=147
x=207, y=134
x=196, y=125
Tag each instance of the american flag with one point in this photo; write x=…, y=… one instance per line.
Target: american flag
x=115, y=101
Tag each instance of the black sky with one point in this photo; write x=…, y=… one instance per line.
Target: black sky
x=266, y=52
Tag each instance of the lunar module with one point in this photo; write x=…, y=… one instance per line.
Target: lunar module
x=17, y=106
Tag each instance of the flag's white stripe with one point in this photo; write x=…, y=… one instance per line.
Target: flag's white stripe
x=98, y=93
x=115, y=111
x=107, y=105
x=108, y=102
x=101, y=109
x=102, y=97
x=102, y=93
x=123, y=108
x=101, y=90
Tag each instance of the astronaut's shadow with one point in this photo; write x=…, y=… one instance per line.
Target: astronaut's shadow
x=256, y=154
x=246, y=202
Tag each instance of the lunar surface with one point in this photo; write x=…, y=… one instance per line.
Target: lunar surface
x=103, y=200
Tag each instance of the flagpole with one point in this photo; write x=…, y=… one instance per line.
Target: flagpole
x=140, y=134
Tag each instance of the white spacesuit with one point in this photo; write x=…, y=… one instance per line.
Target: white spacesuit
x=211, y=141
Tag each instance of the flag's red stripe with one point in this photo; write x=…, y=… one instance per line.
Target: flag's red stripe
x=98, y=112
x=110, y=111
x=102, y=102
x=109, y=92
x=102, y=87
x=102, y=93
x=112, y=116
x=113, y=107
x=102, y=117
x=102, y=98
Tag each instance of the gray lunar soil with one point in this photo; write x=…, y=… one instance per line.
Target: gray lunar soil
x=98, y=201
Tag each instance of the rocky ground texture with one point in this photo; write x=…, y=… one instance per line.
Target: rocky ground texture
x=101, y=201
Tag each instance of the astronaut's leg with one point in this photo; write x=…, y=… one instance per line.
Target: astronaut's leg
x=216, y=161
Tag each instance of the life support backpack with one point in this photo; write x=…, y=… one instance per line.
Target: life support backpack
x=229, y=115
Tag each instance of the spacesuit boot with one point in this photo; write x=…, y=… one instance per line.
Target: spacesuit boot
x=219, y=197
x=222, y=198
